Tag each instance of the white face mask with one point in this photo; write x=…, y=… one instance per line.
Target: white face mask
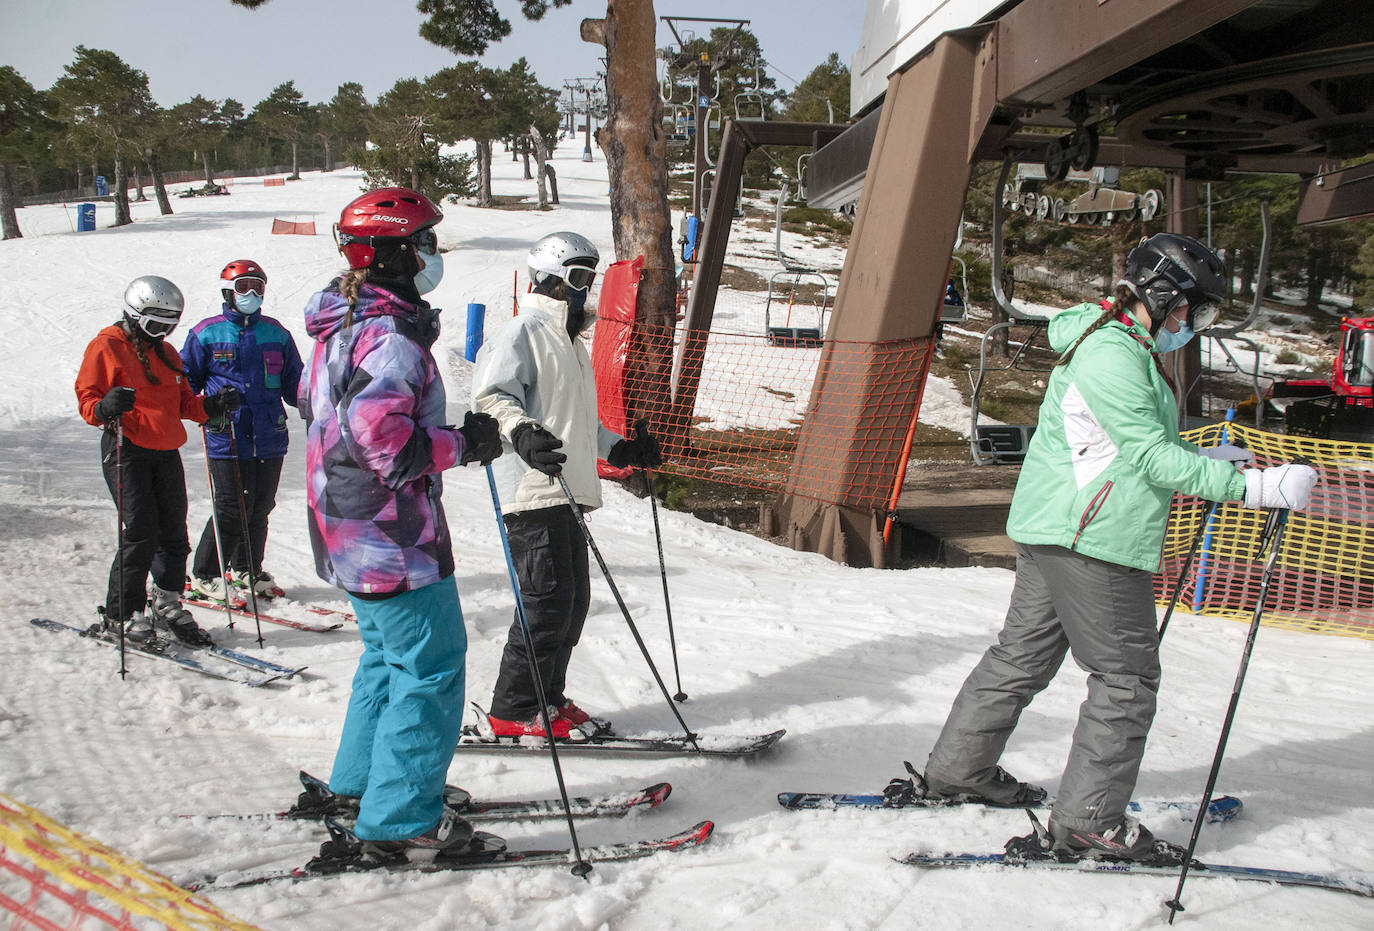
x=428, y=278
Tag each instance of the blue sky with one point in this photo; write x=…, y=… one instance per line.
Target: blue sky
x=218, y=50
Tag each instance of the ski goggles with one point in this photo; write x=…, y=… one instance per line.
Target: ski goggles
x=579, y=277
x=157, y=327
x=246, y=284
x=425, y=240
x=1203, y=315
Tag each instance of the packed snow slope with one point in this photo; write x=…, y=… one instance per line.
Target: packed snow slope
x=858, y=665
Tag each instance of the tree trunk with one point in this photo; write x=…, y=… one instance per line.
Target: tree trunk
x=295, y=173
x=541, y=155
x=80, y=177
x=209, y=175
x=164, y=205
x=1316, y=273
x=484, y=172
x=1248, y=270
x=95, y=173
x=328, y=154
x=121, y=193
x=525, y=153
x=415, y=186
x=636, y=158
x=138, y=185
x=9, y=223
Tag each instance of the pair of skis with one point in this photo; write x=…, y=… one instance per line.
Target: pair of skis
x=215, y=661
x=343, y=853
x=1220, y=809
x=324, y=620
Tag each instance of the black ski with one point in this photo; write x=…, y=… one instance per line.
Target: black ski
x=473, y=740
x=318, y=802
x=1222, y=808
x=1353, y=883
x=342, y=854
x=201, y=660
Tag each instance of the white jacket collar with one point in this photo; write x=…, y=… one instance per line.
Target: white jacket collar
x=550, y=307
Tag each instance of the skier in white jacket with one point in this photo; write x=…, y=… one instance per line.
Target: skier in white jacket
x=535, y=377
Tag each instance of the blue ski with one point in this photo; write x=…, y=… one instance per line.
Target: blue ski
x=1222, y=808
x=173, y=653
x=1353, y=883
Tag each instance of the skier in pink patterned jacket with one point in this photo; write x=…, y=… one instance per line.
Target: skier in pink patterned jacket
x=375, y=447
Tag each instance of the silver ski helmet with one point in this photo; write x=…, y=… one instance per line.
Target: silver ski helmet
x=154, y=305
x=1168, y=269
x=564, y=255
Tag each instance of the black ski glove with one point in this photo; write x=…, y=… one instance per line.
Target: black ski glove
x=539, y=448
x=481, y=438
x=118, y=400
x=223, y=404
x=642, y=452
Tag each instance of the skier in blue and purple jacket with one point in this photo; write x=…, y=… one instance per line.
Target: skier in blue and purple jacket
x=256, y=355
x=376, y=445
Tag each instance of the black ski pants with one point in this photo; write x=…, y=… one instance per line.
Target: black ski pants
x=154, y=512
x=259, y=478
x=550, y=556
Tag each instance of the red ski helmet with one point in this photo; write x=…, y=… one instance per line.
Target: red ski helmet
x=386, y=213
x=248, y=270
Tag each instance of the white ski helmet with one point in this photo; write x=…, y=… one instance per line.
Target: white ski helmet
x=568, y=256
x=154, y=304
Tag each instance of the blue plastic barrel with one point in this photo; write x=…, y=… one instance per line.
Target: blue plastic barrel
x=477, y=314
x=85, y=217
x=101, y=189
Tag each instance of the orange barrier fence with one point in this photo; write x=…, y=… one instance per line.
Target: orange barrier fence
x=273, y=182
x=292, y=227
x=754, y=403
x=1324, y=578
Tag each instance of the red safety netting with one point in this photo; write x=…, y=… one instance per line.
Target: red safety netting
x=753, y=400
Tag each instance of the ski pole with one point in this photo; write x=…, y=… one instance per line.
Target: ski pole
x=1187, y=564
x=583, y=868
x=1273, y=535
x=1204, y=530
x=245, y=537
x=624, y=610
x=119, y=532
x=220, y=554
x=663, y=573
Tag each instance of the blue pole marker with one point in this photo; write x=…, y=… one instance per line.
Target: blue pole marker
x=1200, y=587
x=477, y=314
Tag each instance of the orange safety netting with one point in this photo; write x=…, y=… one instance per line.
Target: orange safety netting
x=289, y=227
x=752, y=401
x=54, y=878
x=273, y=182
x=1324, y=577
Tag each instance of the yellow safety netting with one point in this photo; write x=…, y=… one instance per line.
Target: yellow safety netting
x=53, y=860
x=1324, y=578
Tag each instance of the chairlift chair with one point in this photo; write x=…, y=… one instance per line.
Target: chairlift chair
x=788, y=335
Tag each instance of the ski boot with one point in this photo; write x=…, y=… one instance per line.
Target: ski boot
x=172, y=617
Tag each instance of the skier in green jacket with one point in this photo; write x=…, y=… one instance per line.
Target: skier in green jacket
x=1088, y=519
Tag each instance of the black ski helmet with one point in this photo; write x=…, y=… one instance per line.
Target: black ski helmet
x=1168, y=269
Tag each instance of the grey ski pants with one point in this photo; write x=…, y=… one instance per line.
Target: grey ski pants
x=1105, y=615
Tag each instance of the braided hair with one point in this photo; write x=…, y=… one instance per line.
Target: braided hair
x=349, y=283
x=141, y=352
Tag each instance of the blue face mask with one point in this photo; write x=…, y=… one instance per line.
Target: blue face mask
x=248, y=304
x=428, y=278
x=1170, y=342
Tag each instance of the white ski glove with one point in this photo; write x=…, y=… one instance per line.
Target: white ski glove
x=1226, y=452
x=1281, y=486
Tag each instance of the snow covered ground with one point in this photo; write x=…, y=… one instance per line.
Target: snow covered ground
x=859, y=665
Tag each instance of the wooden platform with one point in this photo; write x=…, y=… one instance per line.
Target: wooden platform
x=958, y=516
